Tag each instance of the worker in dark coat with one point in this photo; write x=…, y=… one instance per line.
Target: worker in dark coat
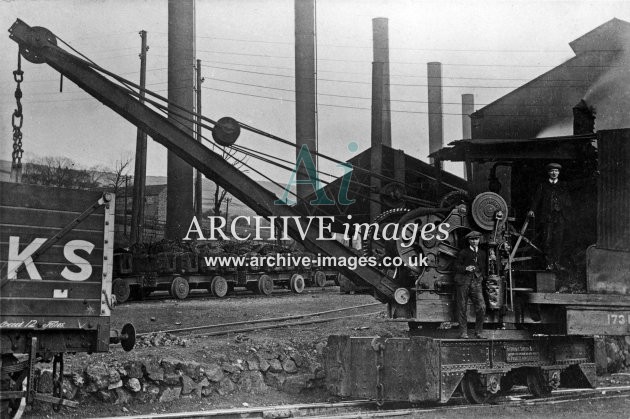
x=552, y=205
x=470, y=268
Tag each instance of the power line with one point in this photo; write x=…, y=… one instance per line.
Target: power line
x=363, y=108
x=391, y=84
x=257, y=41
x=411, y=62
x=356, y=97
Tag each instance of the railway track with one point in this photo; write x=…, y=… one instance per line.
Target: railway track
x=369, y=409
x=269, y=323
x=239, y=293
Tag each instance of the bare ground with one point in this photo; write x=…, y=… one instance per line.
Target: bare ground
x=160, y=313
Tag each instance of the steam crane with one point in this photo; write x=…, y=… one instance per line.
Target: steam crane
x=535, y=337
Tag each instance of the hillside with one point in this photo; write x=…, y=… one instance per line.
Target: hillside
x=236, y=207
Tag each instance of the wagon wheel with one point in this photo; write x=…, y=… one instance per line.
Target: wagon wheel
x=180, y=288
x=265, y=285
x=474, y=391
x=219, y=286
x=121, y=290
x=13, y=375
x=320, y=279
x=296, y=284
x=536, y=383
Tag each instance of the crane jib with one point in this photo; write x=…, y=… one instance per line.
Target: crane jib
x=38, y=45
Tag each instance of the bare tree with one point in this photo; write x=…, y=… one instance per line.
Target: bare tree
x=115, y=178
x=220, y=193
x=58, y=171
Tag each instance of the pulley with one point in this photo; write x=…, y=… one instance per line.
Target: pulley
x=38, y=37
x=226, y=131
x=485, y=207
x=402, y=296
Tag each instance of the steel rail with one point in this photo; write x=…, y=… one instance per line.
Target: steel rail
x=278, y=325
x=272, y=319
x=335, y=410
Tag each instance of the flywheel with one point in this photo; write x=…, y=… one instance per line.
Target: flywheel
x=485, y=208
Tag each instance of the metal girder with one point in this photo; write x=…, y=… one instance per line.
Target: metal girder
x=186, y=147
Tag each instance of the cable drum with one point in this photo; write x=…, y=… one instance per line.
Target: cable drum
x=485, y=207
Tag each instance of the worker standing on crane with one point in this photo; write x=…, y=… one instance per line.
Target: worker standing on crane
x=470, y=267
x=552, y=203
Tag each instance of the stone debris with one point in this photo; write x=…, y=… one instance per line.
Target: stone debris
x=188, y=385
x=275, y=365
x=155, y=372
x=122, y=397
x=213, y=372
x=165, y=380
x=170, y=394
x=97, y=376
x=134, y=369
x=289, y=366
x=133, y=385
x=161, y=339
x=263, y=365
x=115, y=385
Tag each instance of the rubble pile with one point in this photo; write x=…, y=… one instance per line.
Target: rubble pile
x=617, y=353
x=167, y=379
x=160, y=339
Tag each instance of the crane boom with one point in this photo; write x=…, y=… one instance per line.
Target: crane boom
x=38, y=45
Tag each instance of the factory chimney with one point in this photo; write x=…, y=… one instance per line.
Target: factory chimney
x=181, y=64
x=381, y=111
x=434, y=82
x=305, y=88
x=583, y=119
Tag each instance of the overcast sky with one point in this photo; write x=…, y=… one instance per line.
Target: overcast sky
x=246, y=46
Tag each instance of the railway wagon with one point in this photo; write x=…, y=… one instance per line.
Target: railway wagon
x=55, y=296
x=138, y=274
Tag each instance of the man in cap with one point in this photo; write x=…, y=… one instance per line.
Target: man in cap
x=552, y=205
x=470, y=267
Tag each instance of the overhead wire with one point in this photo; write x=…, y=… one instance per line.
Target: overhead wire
x=129, y=84
x=358, y=97
x=363, y=108
x=163, y=108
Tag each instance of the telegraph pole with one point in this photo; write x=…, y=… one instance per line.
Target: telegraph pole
x=140, y=167
x=198, y=187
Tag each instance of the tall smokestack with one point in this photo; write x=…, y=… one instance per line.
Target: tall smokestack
x=305, y=87
x=434, y=74
x=181, y=64
x=583, y=119
x=381, y=113
x=468, y=107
